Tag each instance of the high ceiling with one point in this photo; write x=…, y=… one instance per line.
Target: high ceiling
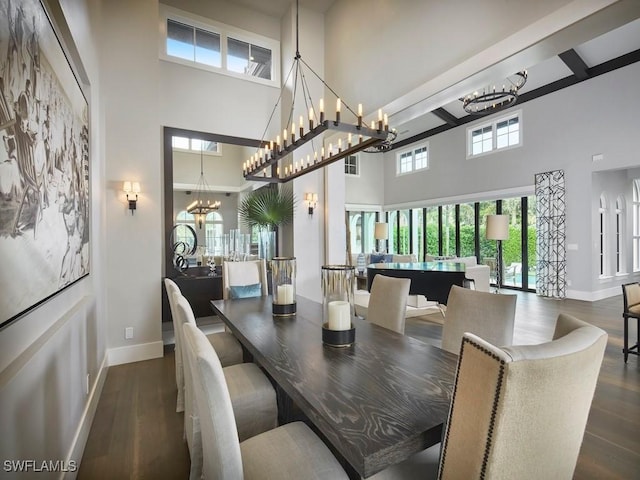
x=579, y=63
x=599, y=40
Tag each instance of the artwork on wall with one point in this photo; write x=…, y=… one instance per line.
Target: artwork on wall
x=44, y=163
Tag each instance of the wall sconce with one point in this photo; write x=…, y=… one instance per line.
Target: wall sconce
x=131, y=188
x=312, y=201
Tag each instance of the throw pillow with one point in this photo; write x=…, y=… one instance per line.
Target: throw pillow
x=381, y=258
x=245, y=291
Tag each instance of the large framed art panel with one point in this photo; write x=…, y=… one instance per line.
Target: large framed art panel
x=44, y=163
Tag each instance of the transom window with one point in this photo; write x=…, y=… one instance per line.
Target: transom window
x=204, y=43
x=196, y=145
x=411, y=160
x=351, y=165
x=500, y=134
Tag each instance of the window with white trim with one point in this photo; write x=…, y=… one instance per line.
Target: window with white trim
x=204, y=43
x=408, y=161
x=636, y=225
x=602, y=216
x=500, y=134
x=620, y=263
x=182, y=234
x=352, y=165
x=196, y=145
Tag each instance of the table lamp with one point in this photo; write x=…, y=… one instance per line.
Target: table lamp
x=498, y=229
x=381, y=233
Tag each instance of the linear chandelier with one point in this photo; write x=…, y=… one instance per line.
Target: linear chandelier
x=202, y=206
x=493, y=98
x=275, y=160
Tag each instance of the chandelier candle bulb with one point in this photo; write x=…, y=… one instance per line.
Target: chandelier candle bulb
x=293, y=133
x=359, y=115
x=349, y=140
x=338, y=107
x=386, y=122
x=339, y=145
x=301, y=127
x=322, y=110
x=310, y=118
x=284, y=138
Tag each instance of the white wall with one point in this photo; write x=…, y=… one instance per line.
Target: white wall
x=368, y=187
x=47, y=354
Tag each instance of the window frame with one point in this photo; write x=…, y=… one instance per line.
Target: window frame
x=356, y=165
x=635, y=236
x=493, y=124
x=402, y=155
x=191, y=149
x=225, y=31
x=603, y=233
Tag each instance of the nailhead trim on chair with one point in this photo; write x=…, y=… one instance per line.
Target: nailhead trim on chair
x=494, y=408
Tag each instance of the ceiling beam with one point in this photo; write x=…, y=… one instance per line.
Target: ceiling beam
x=443, y=114
x=575, y=63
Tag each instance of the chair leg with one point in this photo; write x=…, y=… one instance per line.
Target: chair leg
x=625, y=345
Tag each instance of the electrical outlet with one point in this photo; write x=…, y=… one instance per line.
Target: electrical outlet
x=87, y=384
x=128, y=333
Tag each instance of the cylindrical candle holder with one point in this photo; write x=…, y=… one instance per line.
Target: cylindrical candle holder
x=338, y=283
x=283, y=285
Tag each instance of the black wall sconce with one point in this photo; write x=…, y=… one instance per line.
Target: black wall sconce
x=132, y=189
x=312, y=201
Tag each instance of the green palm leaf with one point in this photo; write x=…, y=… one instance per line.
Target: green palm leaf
x=267, y=208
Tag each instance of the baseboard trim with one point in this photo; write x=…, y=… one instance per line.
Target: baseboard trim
x=82, y=433
x=135, y=353
x=595, y=295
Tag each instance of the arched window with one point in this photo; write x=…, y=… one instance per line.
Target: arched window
x=181, y=233
x=620, y=260
x=214, y=228
x=602, y=215
x=636, y=225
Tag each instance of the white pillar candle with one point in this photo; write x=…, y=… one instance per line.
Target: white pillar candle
x=339, y=315
x=285, y=294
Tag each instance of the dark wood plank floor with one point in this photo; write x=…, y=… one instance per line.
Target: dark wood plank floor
x=136, y=432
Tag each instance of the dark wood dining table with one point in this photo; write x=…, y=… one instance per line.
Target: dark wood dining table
x=376, y=402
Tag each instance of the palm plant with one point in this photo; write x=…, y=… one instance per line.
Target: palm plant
x=267, y=208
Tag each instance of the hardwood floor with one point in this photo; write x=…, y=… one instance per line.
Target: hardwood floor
x=136, y=432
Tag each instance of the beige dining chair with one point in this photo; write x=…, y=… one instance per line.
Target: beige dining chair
x=516, y=412
x=247, y=278
x=289, y=451
x=253, y=398
x=226, y=344
x=488, y=315
x=388, y=302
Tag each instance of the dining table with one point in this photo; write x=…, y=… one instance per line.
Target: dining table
x=375, y=402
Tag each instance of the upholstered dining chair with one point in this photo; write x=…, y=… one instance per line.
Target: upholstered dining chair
x=516, y=412
x=388, y=302
x=488, y=315
x=244, y=279
x=227, y=345
x=631, y=298
x=253, y=398
x=289, y=451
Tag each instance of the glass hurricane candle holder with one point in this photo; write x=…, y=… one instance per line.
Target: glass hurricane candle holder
x=283, y=285
x=338, y=282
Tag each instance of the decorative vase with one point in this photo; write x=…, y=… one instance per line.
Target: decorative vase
x=266, y=245
x=362, y=263
x=283, y=285
x=338, y=282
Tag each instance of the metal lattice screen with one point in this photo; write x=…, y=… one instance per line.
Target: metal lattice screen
x=551, y=234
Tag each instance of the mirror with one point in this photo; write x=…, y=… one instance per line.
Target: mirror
x=222, y=158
